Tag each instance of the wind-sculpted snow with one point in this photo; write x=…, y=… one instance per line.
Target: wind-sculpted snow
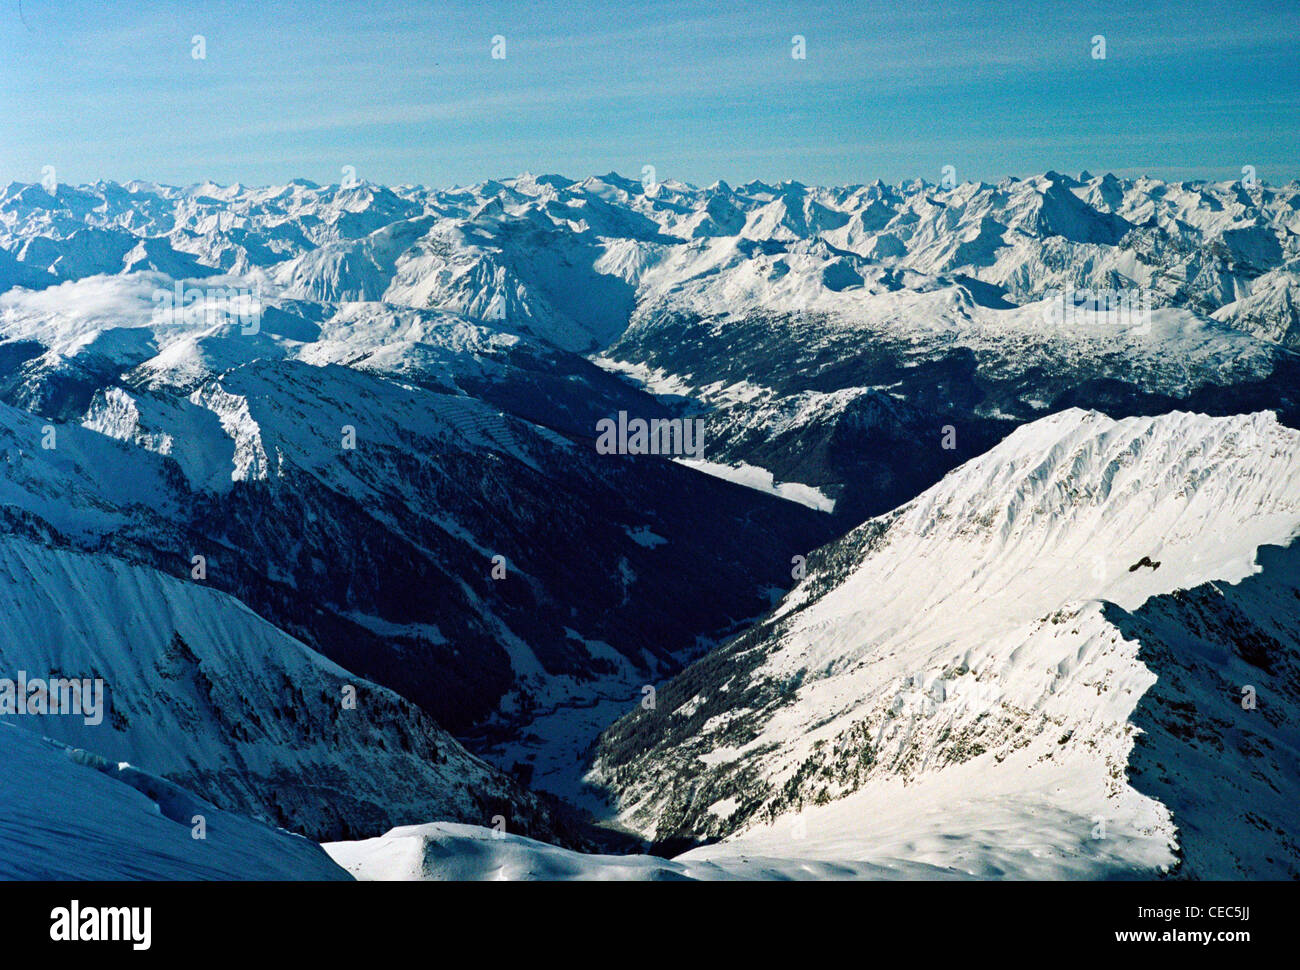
x=1238, y=642
x=441, y=851
x=992, y=650
x=66, y=813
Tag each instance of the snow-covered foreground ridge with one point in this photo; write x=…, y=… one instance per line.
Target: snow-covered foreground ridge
x=443, y=851
x=998, y=679
x=66, y=813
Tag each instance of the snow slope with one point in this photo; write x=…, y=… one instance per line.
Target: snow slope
x=956, y=682
x=68, y=814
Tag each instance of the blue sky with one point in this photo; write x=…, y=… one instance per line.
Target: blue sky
x=409, y=92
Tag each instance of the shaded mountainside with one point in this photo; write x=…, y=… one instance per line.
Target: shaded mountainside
x=202, y=691
x=1226, y=706
x=382, y=555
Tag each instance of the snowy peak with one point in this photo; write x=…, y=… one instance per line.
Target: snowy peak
x=1090, y=489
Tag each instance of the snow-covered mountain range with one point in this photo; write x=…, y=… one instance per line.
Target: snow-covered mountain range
x=258, y=443
x=816, y=327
